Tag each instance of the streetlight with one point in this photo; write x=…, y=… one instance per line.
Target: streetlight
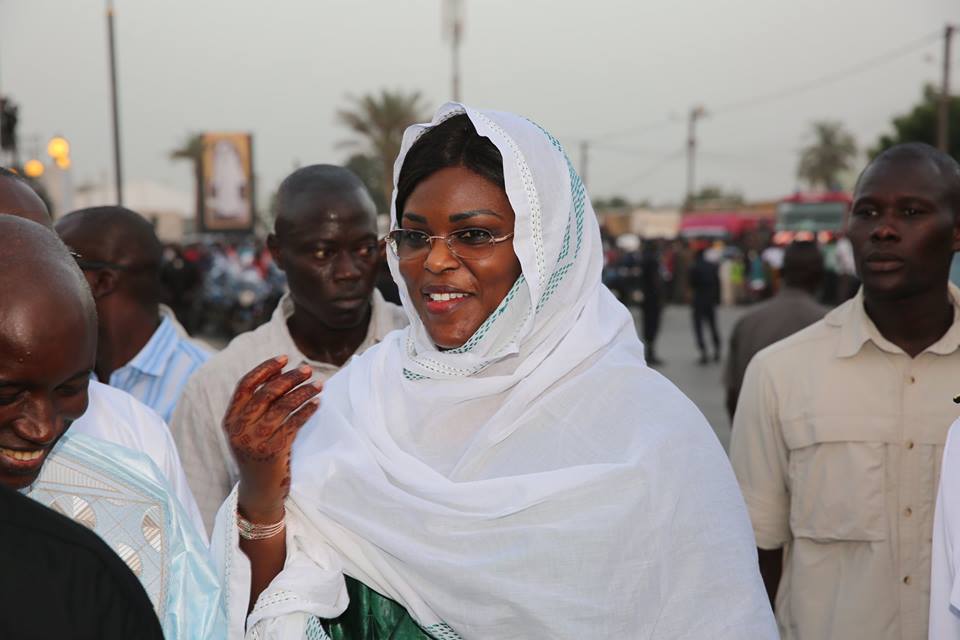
x=58, y=147
x=33, y=169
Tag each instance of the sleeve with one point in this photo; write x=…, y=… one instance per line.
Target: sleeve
x=310, y=586
x=172, y=469
x=196, y=432
x=760, y=458
x=944, y=612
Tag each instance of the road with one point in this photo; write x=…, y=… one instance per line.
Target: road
x=702, y=383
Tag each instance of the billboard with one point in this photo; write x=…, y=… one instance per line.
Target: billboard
x=225, y=201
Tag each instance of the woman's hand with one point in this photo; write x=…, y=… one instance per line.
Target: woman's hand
x=266, y=412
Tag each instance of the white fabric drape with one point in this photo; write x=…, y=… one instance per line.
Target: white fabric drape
x=539, y=482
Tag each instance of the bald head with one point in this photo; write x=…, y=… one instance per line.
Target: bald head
x=325, y=241
x=17, y=198
x=48, y=343
x=319, y=191
x=918, y=154
x=35, y=266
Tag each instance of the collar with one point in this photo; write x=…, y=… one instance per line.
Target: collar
x=379, y=326
x=154, y=355
x=856, y=329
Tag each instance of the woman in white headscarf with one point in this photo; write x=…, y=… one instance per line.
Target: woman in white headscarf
x=507, y=466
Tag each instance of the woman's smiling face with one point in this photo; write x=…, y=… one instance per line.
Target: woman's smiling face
x=446, y=201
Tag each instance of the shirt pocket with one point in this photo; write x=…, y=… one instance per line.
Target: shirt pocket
x=837, y=473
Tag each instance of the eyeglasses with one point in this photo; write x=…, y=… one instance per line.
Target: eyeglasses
x=97, y=265
x=466, y=244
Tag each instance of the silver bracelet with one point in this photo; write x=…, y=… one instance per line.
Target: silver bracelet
x=252, y=531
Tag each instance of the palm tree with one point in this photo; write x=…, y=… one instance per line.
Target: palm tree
x=378, y=122
x=192, y=151
x=831, y=153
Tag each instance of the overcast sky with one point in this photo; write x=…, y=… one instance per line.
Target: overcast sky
x=622, y=73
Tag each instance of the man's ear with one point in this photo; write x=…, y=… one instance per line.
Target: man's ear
x=273, y=245
x=102, y=282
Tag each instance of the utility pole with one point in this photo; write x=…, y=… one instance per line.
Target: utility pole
x=117, y=161
x=696, y=113
x=454, y=27
x=943, y=115
x=584, y=160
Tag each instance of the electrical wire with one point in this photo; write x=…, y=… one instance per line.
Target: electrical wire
x=649, y=171
x=785, y=92
x=829, y=78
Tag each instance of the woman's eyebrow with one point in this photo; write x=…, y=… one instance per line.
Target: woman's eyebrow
x=457, y=217
x=415, y=217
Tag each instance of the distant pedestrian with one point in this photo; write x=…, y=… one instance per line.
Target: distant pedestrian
x=792, y=309
x=705, y=284
x=181, y=280
x=840, y=428
x=651, y=285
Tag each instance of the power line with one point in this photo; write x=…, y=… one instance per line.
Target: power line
x=829, y=78
x=628, y=150
x=657, y=124
x=785, y=92
x=650, y=170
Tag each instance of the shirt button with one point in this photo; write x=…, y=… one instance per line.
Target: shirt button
x=907, y=512
x=912, y=379
x=907, y=580
x=909, y=444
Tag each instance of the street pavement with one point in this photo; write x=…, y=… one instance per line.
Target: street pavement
x=703, y=384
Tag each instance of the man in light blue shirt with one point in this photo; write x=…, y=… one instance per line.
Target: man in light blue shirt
x=142, y=348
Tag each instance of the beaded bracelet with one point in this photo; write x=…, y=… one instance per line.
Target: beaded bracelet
x=252, y=531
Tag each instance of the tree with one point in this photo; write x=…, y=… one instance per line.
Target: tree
x=370, y=172
x=192, y=151
x=711, y=196
x=831, y=153
x=920, y=125
x=379, y=122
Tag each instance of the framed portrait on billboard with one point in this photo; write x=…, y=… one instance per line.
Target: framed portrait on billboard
x=226, y=198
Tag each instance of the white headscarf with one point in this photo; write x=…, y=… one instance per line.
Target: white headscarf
x=538, y=482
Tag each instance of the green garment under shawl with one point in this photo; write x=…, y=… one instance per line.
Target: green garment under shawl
x=371, y=616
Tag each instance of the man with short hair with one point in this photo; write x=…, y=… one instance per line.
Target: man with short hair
x=142, y=349
x=840, y=428
x=325, y=240
x=792, y=309
x=112, y=415
x=48, y=343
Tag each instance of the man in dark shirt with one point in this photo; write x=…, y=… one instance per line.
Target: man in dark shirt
x=651, y=284
x=60, y=580
x=705, y=283
x=792, y=309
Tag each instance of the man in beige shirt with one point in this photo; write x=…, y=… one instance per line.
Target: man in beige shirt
x=325, y=240
x=840, y=428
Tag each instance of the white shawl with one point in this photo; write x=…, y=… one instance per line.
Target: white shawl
x=539, y=482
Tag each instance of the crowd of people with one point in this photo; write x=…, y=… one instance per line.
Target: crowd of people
x=492, y=455
x=705, y=273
